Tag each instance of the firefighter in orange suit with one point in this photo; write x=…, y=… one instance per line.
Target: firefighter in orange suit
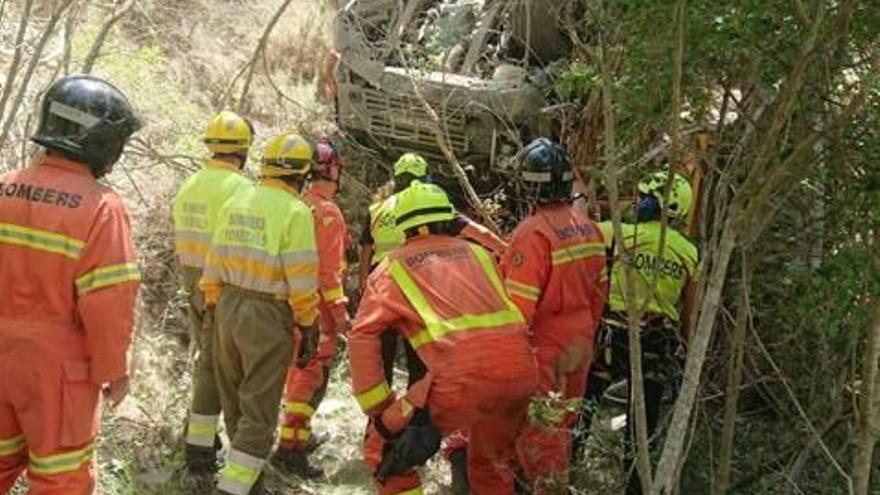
x=69, y=281
x=446, y=297
x=306, y=387
x=555, y=273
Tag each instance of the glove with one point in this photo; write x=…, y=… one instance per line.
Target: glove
x=308, y=344
x=411, y=448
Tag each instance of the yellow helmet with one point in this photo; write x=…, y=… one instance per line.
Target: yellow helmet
x=411, y=163
x=228, y=133
x=421, y=204
x=680, y=195
x=285, y=155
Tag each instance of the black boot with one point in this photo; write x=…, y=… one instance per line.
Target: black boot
x=296, y=461
x=458, y=462
x=203, y=460
x=199, y=470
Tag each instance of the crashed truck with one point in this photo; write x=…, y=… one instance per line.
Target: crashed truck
x=477, y=64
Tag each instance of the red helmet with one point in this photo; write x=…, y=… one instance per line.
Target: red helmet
x=327, y=164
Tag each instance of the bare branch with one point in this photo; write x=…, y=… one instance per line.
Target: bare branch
x=800, y=410
x=9, y=81
x=734, y=379
x=478, y=41
x=38, y=50
x=637, y=393
x=442, y=139
x=95, y=50
x=2, y=9
x=261, y=45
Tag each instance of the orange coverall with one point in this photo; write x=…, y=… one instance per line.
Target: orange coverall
x=555, y=272
x=445, y=296
x=306, y=386
x=68, y=281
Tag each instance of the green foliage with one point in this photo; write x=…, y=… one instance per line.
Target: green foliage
x=145, y=74
x=576, y=81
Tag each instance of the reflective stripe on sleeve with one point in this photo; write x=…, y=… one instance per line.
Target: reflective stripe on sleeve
x=41, y=240
x=374, y=396
x=240, y=473
x=302, y=284
x=10, y=446
x=62, y=463
x=522, y=290
x=577, y=252
x=295, y=434
x=300, y=408
x=332, y=294
x=107, y=276
x=294, y=257
x=201, y=429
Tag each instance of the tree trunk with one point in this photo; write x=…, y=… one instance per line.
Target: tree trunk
x=734, y=379
x=678, y=428
x=869, y=407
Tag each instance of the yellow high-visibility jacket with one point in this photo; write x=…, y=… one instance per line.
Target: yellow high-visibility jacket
x=196, y=206
x=265, y=242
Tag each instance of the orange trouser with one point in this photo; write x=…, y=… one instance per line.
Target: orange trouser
x=544, y=451
x=489, y=399
x=305, y=388
x=49, y=410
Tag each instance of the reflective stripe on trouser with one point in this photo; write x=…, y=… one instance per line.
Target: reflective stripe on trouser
x=306, y=387
x=13, y=459
x=48, y=399
x=253, y=350
x=201, y=430
x=205, y=407
x=240, y=473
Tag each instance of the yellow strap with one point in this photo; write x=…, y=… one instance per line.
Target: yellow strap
x=41, y=240
x=11, y=445
x=374, y=396
x=62, y=463
x=107, y=276
x=301, y=408
x=577, y=252
x=435, y=327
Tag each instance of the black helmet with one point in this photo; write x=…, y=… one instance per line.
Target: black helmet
x=86, y=119
x=546, y=171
